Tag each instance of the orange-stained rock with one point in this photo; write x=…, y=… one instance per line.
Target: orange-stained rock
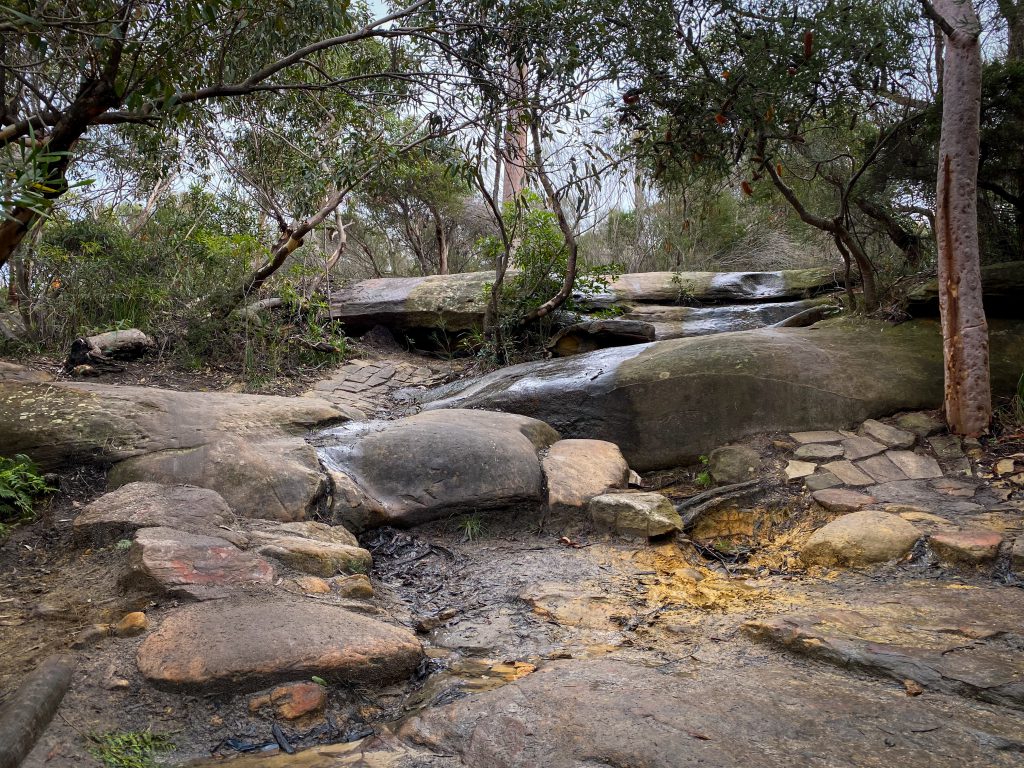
x=245, y=644
x=357, y=586
x=131, y=624
x=313, y=585
x=299, y=699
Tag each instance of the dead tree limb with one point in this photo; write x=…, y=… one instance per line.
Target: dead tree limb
x=24, y=718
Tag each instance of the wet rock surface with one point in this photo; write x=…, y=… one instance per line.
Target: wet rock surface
x=427, y=466
x=608, y=712
x=530, y=635
x=666, y=403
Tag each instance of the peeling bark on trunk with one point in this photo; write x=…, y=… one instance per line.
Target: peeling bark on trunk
x=968, y=395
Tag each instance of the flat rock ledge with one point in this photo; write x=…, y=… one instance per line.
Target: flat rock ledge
x=246, y=645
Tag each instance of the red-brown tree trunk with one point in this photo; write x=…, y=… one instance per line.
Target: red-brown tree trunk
x=968, y=399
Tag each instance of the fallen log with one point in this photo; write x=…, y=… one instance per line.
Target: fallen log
x=100, y=350
x=30, y=710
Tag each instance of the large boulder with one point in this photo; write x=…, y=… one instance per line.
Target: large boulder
x=243, y=645
x=449, y=302
x=63, y=424
x=1002, y=286
x=666, y=403
x=118, y=514
x=245, y=447
x=277, y=479
x=427, y=466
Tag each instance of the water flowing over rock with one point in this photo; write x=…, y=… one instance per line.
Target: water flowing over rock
x=457, y=302
x=668, y=402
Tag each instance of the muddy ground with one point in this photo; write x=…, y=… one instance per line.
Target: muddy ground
x=495, y=597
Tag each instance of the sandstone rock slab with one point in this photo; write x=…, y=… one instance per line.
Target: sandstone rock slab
x=966, y=547
x=578, y=470
x=860, y=538
x=847, y=472
x=920, y=423
x=667, y=403
x=857, y=447
x=277, y=479
x=915, y=466
x=818, y=452
x=881, y=469
x=891, y=436
x=842, y=500
x=192, y=565
x=821, y=481
x=246, y=645
x=636, y=514
x=798, y=469
x=817, y=436
x=118, y=514
x=608, y=712
x=64, y=424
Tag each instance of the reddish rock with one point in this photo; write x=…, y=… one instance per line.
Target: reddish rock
x=842, y=500
x=966, y=547
x=190, y=565
x=241, y=644
x=293, y=701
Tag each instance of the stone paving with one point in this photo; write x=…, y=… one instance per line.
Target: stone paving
x=367, y=384
x=970, y=512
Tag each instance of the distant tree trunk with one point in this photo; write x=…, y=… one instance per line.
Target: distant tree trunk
x=442, y=242
x=569, y=279
x=515, y=135
x=1013, y=12
x=968, y=401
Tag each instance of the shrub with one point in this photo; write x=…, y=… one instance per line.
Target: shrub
x=20, y=485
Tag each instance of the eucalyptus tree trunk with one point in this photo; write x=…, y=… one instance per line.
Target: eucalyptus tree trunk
x=515, y=136
x=968, y=399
